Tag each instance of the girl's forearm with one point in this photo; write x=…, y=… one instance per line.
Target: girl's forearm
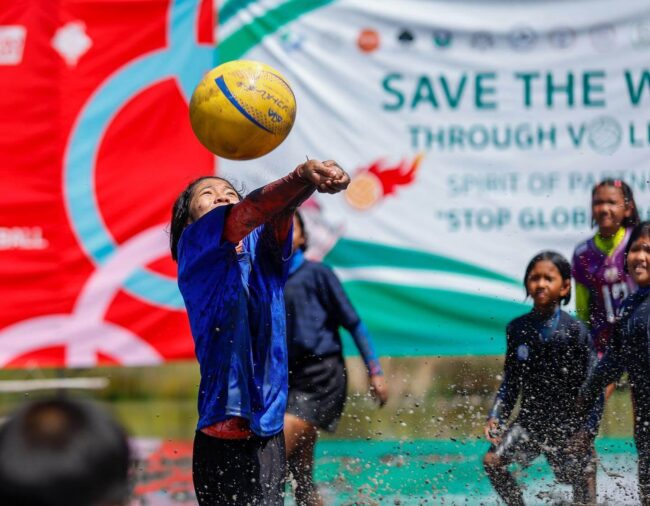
x=282, y=221
x=274, y=202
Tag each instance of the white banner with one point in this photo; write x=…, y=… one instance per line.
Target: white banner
x=474, y=133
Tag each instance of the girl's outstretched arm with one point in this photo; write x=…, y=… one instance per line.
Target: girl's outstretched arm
x=278, y=200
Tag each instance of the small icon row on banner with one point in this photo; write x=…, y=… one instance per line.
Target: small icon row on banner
x=603, y=37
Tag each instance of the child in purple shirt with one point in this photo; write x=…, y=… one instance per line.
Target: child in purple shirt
x=598, y=263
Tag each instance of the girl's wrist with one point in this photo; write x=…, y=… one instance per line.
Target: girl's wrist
x=299, y=173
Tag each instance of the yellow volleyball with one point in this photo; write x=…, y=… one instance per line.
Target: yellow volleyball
x=242, y=110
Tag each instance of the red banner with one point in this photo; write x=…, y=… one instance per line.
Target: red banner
x=95, y=144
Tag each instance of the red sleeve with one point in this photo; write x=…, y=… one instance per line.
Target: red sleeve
x=275, y=203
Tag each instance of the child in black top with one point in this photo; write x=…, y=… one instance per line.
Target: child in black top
x=629, y=350
x=317, y=307
x=548, y=357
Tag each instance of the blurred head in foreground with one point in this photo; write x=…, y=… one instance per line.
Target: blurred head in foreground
x=63, y=452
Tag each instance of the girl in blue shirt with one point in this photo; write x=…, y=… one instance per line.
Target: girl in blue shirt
x=232, y=256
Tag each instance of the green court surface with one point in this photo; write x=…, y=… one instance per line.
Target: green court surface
x=408, y=472
x=358, y=472
x=424, y=447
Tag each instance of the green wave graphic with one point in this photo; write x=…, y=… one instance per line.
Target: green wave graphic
x=352, y=253
x=415, y=321
x=248, y=36
x=231, y=8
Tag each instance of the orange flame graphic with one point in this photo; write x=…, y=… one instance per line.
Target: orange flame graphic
x=399, y=175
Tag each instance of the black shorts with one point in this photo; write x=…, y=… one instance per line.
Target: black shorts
x=239, y=471
x=522, y=447
x=317, y=390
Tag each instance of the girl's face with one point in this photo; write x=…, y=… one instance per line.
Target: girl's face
x=298, y=235
x=546, y=286
x=211, y=193
x=609, y=209
x=638, y=261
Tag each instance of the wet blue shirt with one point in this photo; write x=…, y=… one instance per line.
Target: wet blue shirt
x=235, y=304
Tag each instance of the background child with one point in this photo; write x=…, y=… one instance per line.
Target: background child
x=316, y=307
x=629, y=351
x=601, y=280
x=548, y=357
x=59, y=452
x=232, y=265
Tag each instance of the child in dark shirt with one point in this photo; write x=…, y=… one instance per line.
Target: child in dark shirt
x=316, y=307
x=629, y=351
x=548, y=357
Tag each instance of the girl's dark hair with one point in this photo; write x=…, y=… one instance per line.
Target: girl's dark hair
x=641, y=230
x=628, y=196
x=181, y=212
x=562, y=264
x=305, y=235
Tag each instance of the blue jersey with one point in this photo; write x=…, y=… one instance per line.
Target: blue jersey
x=235, y=304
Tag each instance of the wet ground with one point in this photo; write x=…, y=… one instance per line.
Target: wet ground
x=415, y=472
x=424, y=447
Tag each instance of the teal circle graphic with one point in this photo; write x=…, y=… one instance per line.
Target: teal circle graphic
x=184, y=60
